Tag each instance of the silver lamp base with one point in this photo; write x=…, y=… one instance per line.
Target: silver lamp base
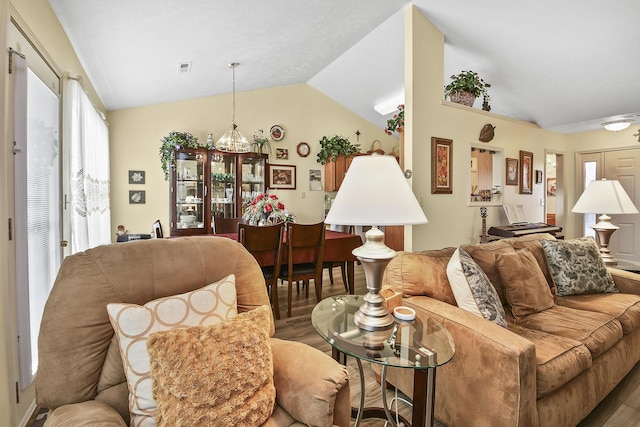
x=604, y=229
x=374, y=256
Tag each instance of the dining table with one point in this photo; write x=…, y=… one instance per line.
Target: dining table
x=338, y=248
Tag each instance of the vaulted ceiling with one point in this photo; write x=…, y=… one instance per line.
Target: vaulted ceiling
x=566, y=65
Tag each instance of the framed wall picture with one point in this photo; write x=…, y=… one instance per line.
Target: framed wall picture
x=136, y=177
x=526, y=172
x=282, y=177
x=538, y=176
x=511, y=172
x=315, y=180
x=137, y=197
x=441, y=166
x=282, y=153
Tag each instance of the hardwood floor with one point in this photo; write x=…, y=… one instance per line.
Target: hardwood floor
x=620, y=408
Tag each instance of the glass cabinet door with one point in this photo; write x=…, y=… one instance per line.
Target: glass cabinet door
x=190, y=189
x=253, y=178
x=223, y=185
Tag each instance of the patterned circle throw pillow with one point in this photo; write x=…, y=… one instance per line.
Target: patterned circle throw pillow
x=210, y=305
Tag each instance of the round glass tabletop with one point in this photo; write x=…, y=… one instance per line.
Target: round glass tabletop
x=419, y=344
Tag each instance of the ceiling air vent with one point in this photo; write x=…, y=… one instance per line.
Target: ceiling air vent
x=184, y=67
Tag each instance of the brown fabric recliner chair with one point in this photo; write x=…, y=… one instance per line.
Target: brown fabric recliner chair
x=80, y=370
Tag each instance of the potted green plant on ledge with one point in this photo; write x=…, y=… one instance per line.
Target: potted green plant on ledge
x=170, y=144
x=331, y=148
x=465, y=87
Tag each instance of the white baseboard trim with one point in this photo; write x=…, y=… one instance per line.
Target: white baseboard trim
x=28, y=414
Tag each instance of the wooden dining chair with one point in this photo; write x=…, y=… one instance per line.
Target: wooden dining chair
x=226, y=225
x=303, y=241
x=330, y=265
x=265, y=243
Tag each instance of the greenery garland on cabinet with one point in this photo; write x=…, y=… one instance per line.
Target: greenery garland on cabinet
x=331, y=148
x=173, y=142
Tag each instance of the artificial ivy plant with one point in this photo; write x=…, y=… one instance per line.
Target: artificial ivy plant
x=331, y=148
x=170, y=144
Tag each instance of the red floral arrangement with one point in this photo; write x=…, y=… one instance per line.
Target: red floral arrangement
x=266, y=209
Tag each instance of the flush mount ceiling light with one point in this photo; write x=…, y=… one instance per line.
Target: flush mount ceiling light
x=390, y=105
x=233, y=141
x=617, y=125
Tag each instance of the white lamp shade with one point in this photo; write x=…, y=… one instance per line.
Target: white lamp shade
x=605, y=197
x=375, y=192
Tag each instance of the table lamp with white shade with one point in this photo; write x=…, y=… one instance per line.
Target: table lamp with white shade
x=375, y=193
x=605, y=196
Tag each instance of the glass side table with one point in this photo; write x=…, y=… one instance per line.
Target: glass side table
x=422, y=345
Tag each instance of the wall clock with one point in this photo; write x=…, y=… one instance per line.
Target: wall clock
x=303, y=149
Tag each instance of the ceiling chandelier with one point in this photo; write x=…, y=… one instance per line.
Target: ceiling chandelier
x=233, y=141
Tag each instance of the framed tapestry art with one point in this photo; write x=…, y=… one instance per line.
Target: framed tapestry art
x=512, y=172
x=441, y=166
x=282, y=177
x=526, y=172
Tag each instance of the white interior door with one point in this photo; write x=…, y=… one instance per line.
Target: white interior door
x=624, y=166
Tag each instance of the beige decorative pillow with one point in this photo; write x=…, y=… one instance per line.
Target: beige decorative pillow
x=133, y=324
x=526, y=288
x=472, y=289
x=219, y=375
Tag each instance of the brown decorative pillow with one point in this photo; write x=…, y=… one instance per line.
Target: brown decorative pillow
x=525, y=286
x=219, y=375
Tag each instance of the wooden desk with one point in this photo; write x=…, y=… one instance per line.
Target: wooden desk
x=337, y=248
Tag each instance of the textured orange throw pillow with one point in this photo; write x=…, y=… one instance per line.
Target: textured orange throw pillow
x=525, y=286
x=219, y=375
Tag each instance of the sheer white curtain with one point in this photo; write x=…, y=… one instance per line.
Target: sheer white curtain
x=88, y=138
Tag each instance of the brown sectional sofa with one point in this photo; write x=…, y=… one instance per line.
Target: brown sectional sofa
x=549, y=368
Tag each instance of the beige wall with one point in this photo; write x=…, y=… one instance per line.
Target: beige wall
x=305, y=114
x=451, y=221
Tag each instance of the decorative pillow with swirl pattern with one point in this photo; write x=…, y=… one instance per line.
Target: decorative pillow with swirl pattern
x=577, y=267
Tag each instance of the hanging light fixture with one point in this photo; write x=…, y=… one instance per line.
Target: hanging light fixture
x=617, y=125
x=233, y=141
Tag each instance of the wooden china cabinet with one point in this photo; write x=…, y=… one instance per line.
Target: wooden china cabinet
x=209, y=184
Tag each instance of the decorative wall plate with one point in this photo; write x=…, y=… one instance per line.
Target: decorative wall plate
x=277, y=132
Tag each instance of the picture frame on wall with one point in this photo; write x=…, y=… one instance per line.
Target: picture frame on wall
x=511, y=169
x=282, y=153
x=137, y=197
x=441, y=166
x=538, y=176
x=526, y=172
x=136, y=177
x=282, y=177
